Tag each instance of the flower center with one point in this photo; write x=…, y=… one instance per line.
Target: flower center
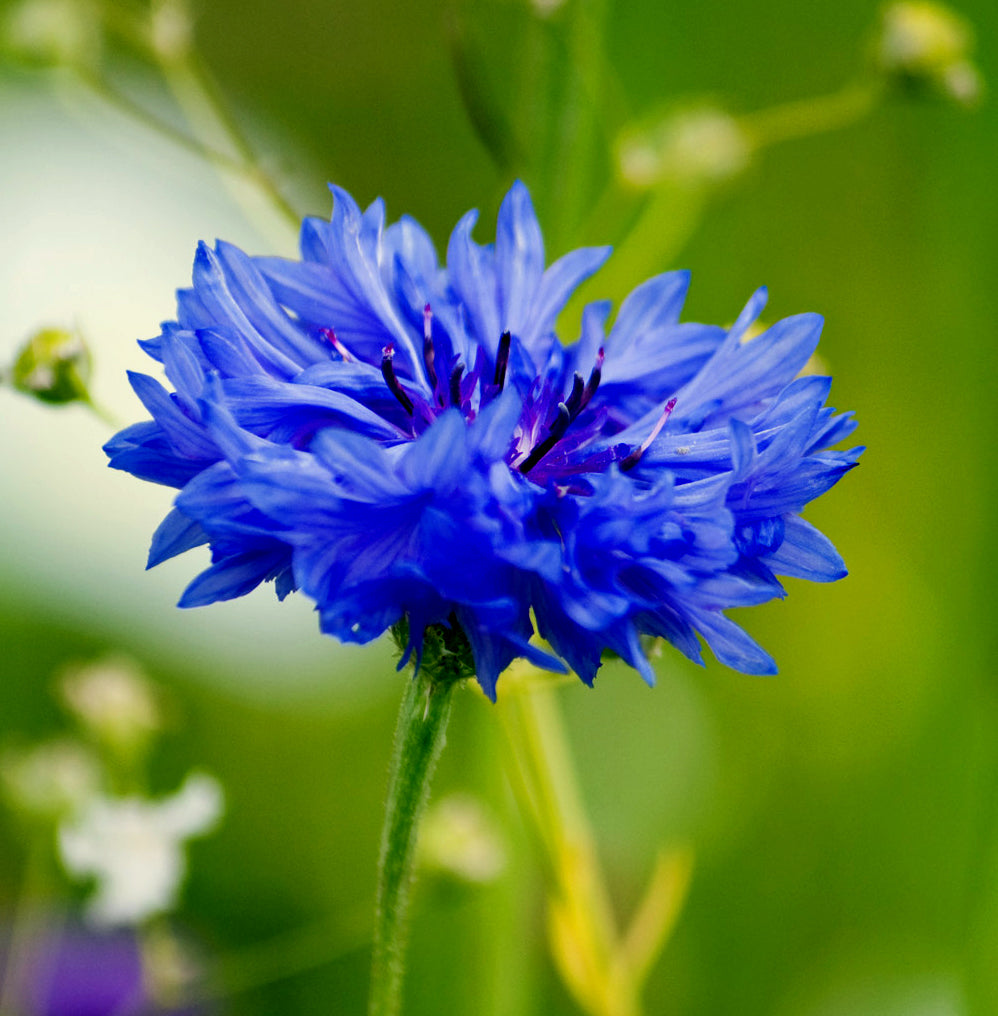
x=546, y=418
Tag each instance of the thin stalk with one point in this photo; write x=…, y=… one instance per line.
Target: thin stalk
x=804, y=117
x=210, y=118
x=668, y=218
x=419, y=739
x=282, y=957
x=219, y=136
x=581, y=122
x=134, y=111
x=582, y=916
x=28, y=926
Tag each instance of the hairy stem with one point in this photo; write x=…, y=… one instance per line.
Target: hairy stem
x=419, y=738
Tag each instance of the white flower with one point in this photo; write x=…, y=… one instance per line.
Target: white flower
x=134, y=848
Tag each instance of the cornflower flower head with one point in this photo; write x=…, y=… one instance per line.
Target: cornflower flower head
x=407, y=441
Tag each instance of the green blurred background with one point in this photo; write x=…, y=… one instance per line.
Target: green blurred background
x=843, y=813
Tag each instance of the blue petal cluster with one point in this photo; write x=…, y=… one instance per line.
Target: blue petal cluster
x=396, y=437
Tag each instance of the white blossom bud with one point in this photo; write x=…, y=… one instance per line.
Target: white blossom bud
x=927, y=43
x=114, y=702
x=51, y=779
x=705, y=144
x=459, y=838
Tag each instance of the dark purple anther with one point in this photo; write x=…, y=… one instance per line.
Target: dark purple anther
x=555, y=434
x=455, y=385
x=574, y=400
x=388, y=373
x=502, y=359
x=594, y=379
x=635, y=457
x=428, y=346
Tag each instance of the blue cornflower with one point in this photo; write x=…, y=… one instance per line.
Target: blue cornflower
x=405, y=440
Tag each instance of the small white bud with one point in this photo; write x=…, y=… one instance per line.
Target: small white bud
x=924, y=42
x=113, y=701
x=52, y=32
x=705, y=144
x=171, y=30
x=545, y=8
x=51, y=779
x=459, y=838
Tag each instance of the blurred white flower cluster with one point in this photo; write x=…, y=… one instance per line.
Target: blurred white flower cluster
x=132, y=846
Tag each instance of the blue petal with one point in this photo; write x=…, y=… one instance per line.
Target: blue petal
x=743, y=450
x=250, y=290
x=234, y=576
x=473, y=278
x=175, y=534
x=229, y=316
x=806, y=553
x=741, y=374
x=731, y=645
x=412, y=244
x=519, y=261
x=261, y=402
x=653, y=304
x=437, y=461
x=556, y=285
x=186, y=436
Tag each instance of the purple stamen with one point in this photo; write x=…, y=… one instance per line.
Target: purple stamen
x=594, y=379
x=578, y=399
x=428, y=354
x=502, y=359
x=330, y=336
x=574, y=400
x=635, y=457
x=388, y=373
x=555, y=433
x=455, y=385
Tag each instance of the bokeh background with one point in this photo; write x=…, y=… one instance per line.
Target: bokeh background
x=844, y=814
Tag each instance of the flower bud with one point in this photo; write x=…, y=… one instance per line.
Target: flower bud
x=114, y=702
x=695, y=145
x=459, y=838
x=51, y=32
x=170, y=30
x=924, y=44
x=49, y=780
x=54, y=365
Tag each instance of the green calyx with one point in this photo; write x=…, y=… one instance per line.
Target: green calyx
x=54, y=365
x=446, y=652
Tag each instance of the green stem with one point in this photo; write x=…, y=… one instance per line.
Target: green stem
x=668, y=218
x=804, y=117
x=219, y=136
x=581, y=122
x=419, y=738
x=130, y=108
x=211, y=119
x=28, y=925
